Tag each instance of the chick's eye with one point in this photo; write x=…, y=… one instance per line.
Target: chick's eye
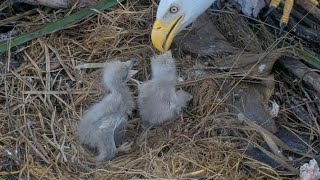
x=174, y=9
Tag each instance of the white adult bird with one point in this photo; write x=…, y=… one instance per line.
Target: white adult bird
x=172, y=17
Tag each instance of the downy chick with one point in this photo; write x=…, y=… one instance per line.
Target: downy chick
x=158, y=100
x=103, y=125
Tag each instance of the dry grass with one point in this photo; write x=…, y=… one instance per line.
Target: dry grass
x=43, y=100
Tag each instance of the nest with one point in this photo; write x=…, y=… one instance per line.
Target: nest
x=43, y=100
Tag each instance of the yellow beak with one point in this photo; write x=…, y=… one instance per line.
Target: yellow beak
x=162, y=35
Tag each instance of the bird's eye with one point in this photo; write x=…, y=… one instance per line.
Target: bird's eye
x=174, y=9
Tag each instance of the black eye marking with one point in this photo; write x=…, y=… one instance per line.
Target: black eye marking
x=174, y=9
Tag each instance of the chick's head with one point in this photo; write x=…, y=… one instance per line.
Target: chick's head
x=163, y=67
x=116, y=73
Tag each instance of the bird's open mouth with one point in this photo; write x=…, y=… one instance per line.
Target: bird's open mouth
x=162, y=35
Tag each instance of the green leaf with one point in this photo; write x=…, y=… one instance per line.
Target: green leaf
x=308, y=57
x=58, y=25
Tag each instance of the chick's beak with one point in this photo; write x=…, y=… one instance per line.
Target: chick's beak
x=134, y=62
x=162, y=34
x=130, y=64
x=132, y=73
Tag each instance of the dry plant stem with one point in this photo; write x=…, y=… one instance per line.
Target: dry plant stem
x=32, y=92
x=303, y=72
x=9, y=173
x=299, y=110
x=60, y=148
x=4, y=5
x=309, y=7
x=309, y=34
x=59, y=92
x=34, y=148
x=50, y=3
x=272, y=141
x=268, y=137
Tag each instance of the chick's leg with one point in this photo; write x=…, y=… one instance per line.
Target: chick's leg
x=106, y=146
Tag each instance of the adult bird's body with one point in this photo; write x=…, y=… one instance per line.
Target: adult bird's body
x=174, y=15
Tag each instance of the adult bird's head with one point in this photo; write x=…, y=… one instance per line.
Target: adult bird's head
x=172, y=17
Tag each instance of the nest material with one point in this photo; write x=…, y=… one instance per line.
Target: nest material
x=43, y=100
